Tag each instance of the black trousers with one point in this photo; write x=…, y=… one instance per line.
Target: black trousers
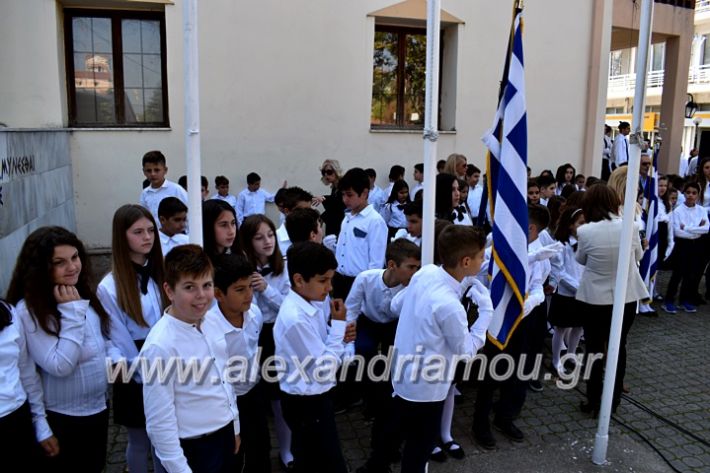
x=417, y=424
x=687, y=262
x=17, y=438
x=255, y=453
x=212, y=453
x=315, y=443
x=597, y=325
x=512, y=389
x=535, y=329
x=82, y=442
x=373, y=338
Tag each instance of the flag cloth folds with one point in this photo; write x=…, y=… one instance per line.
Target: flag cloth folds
x=649, y=262
x=507, y=195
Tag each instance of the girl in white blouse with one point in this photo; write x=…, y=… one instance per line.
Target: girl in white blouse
x=271, y=285
x=66, y=329
x=566, y=273
x=131, y=294
x=393, y=210
x=21, y=403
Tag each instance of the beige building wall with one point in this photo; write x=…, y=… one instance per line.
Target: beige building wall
x=286, y=84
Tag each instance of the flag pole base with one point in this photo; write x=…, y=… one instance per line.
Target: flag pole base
x=601, y=442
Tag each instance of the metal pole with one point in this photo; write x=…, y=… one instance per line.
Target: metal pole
x=192, y=120
x=431, y=127
x=601, y=442
x=697, y=137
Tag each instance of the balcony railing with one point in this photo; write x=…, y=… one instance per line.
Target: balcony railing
x=627, y=82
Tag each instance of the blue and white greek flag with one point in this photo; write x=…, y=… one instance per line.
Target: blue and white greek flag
x=649, y=262
x=507, y=143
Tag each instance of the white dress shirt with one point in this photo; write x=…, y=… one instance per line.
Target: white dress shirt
x=393, y=215
x=419, y=186
x=151, y=197
x=243, y=344
x=377, y=198
x=20, y=381
x=167, y=243
x=124, y=330
x=269, y=301
x=432, y=323
x=566, y=271
x=362, y=242
x=620, y=150
x=252, y=203
x=195, y=405
x=283, y=239
x=372, y=297
x=229, y=198
x=537, y=274
x=301, y=333
x=693, y=219
x=474, y=199
x=73, y=365
x=403, y=233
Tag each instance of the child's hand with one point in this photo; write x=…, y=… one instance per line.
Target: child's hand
x=350, y=332
x=65, y=294
x=337, y=309
x=258, y=283
x=318, y=199
x=237, y=443
x=50, y=446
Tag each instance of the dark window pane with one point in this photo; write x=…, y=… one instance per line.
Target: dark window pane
x=101, y=35
x=132, y=70
x=81, y=28
x=93, y=82
x=152, y=73
x=153, y=105
x=384, y=110
x=414, y=80
x=134, y=105
x=131, y=36
x=384, y=79
x=150, y=36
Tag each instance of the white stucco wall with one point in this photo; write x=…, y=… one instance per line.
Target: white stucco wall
x=286, y=84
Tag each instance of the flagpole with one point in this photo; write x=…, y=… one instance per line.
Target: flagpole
x=192, y=120
x=601, y=442
x=431, y=128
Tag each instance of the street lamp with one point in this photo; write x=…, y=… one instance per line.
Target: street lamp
x=690, y=107
x=697, y=121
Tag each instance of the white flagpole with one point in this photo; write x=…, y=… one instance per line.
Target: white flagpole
x=192, y=120
x=601, y=442
x=431, y=127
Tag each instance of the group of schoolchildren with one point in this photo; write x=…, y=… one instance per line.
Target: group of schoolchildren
x=255, y=291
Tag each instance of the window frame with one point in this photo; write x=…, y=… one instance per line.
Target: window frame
x=402, y=53
x=116, y=16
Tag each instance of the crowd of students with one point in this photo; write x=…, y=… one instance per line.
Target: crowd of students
x=315, y=300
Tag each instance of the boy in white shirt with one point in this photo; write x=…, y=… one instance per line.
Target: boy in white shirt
x=363, y=234
x=377, y=196
x=155, y=170
x=433, y=327
x=242, y=322
x=475, y=189
x=413, y=232
x=221, y=183
x=253, y=199
x=193, y=422
x=419, y=179
x=690, y=222
x=368, y=304
x=288, y=200
x=548, y=186
x=173, y=219
x=311, y=352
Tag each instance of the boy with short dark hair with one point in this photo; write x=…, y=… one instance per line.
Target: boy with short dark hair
x=287, y=200
x=312, y=352
x=363, y=234
x=475, y=189
x=413, y=211
x=369, y=305
x=433, y=327
x=253, y=199
x=396, y=174
x=242, y=322
x=304, y=225
x=204, y=184
x=221, y=183
x=155, y=169
x=193, y=424
x=173, y=219
x=548, y=186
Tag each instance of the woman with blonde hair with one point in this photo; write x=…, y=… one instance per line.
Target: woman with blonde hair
x=331, y=172
x=456, y=165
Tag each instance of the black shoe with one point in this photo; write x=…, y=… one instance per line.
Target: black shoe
x=369, y=468
x=484, y=436
x=395, y=456
x=456, y=453
x=535, y=386
x=439, y=457
x=589, y=408
x=507, y=428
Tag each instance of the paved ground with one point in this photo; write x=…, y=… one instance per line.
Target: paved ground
x=667, y=371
